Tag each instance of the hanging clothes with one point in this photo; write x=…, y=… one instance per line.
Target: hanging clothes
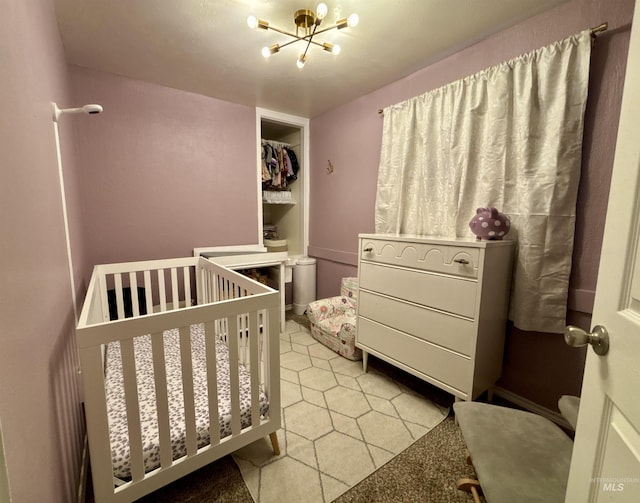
x=293, y=167
x=279, y=165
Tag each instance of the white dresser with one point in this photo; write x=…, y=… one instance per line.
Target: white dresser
x=435, y=307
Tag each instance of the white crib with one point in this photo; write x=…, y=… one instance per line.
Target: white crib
x=149, y=305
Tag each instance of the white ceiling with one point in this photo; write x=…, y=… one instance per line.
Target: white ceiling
x=206, y=47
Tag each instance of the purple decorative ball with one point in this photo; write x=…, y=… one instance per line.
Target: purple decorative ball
x=489, y=223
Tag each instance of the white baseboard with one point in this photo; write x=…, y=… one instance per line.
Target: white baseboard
x=527, y=404
x=84, y=472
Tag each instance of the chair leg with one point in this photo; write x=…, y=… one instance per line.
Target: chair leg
x=471, y=486
x=274, y=443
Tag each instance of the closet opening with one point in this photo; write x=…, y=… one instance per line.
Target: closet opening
x=283, y=182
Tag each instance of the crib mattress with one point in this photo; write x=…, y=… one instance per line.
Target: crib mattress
x=118, y=428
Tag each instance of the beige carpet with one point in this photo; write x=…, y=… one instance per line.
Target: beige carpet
x=339, y=424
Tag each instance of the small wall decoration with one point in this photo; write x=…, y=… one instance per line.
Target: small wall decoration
x=490, y=224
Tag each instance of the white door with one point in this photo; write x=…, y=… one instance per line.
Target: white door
x=605, y=465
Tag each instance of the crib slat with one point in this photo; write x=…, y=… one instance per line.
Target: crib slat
x=247, y=355
x=161, y=289
x=234, y=378
x=207, y=293
x=187, y=390
x=254, y=368
x=162, y=400
x=175, y=296
x=148, y=291
x=263, y=340
x=132, y=404
x=212, y=381
x=206, y=285
x=101, y=287
x=119, y=299
x=187, y=286
x=242, y=338
x=199, y=284
x=215, y=287
x=133, y=285
x=202, y=287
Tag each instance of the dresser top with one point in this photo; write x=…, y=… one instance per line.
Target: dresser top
x=463, y=241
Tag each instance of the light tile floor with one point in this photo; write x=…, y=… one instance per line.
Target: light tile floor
x=339, y=425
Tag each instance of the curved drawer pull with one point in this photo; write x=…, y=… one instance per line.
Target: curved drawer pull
x=462, y=261
x=368, y=249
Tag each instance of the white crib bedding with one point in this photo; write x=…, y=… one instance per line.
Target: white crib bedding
x=147, y=399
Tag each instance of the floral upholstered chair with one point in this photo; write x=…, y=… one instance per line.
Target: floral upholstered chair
x=333, y=320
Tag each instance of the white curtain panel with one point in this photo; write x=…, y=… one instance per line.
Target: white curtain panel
x=510, y=137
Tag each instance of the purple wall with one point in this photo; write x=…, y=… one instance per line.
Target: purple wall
x=40, y=409
x=537, y=366
x=162, y=171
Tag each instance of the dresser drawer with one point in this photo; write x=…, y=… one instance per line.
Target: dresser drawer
x=451, y=332
x=447, y=259
x=454, y=295
x=447, y=367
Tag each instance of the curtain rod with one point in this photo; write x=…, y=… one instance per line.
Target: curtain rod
x=599, y=29
x=594, y=32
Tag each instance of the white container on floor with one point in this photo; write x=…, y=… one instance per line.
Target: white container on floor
x=304, y=283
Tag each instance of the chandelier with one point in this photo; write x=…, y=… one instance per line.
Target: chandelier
x=307, y=27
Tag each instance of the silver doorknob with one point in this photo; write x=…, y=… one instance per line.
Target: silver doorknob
x=599, y=338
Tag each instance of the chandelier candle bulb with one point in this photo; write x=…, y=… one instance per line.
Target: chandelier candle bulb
x=268, y=51
x=321, y=11
x=253, y=23
x=332, y=48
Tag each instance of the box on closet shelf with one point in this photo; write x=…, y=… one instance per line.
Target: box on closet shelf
x=276, y=245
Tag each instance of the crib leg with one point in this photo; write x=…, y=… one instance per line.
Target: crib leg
x=274, y=443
